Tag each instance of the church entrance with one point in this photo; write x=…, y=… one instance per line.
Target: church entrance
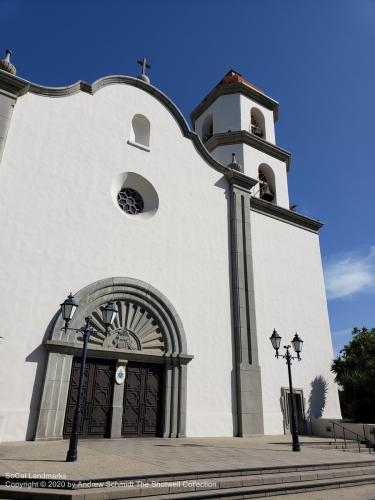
x=142, y=400
x=96, y=401
x=146, y=342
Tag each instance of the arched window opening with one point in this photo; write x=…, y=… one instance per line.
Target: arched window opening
x=266, y=178
x=207, y=128
x=140, y=130
x=257, y=124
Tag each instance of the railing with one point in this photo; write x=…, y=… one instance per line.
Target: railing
x=358, y=437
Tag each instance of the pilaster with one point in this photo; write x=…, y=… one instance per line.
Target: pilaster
x=10, y=88
x=247, y=369
x=118, y=403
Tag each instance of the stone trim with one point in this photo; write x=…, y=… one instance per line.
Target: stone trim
x=139, y=146
x=285, y=215
x=245, y=137
x=20, y=86
x=247, y=369
x=235, y=88
x=241, y=180
x=7, y=102
x=118, y=404
x=97, y=352
x=13, y=85
x=63, y=346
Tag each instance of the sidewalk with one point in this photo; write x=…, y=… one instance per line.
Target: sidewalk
x=136, y=457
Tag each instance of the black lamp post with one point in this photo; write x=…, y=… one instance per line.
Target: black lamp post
x=68, y=308
x=297, y=346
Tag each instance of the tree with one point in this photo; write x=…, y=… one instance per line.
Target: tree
x=354, y=371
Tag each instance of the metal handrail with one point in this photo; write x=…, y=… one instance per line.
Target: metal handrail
x=359, y=438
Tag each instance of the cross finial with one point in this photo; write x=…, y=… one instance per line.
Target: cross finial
x=144, y=64
x=143, y=76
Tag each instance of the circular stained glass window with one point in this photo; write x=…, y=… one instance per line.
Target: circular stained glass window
x=130, y=201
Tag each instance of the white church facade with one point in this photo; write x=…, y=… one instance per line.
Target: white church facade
x=106, y=192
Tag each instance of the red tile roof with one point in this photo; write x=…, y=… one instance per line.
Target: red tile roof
x=234, y=77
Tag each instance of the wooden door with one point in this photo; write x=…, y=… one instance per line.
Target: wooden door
x=96, y=398
x=142, y=400
x=298, y=408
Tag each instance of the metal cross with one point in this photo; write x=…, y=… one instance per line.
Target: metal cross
x=143, y=63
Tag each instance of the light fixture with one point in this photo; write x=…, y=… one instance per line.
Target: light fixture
x=109, y=315
x=297, y=344
x=275, y=341
x=68, y=308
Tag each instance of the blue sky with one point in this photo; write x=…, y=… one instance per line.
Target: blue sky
x=315, y=57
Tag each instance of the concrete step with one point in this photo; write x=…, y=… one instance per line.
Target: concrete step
x=240, y=483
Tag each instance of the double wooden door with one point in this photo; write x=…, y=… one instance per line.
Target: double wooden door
x=142, y=400
x=96, y=400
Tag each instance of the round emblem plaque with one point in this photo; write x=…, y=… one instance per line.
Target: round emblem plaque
x=120, y=375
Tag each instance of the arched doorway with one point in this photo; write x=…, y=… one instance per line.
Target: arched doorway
x=147, y=340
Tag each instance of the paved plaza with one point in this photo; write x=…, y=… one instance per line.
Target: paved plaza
x=136, y=457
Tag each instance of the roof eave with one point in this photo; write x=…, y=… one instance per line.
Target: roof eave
x=233, y=88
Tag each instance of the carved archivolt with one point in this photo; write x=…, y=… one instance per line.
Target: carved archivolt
x=134, y=328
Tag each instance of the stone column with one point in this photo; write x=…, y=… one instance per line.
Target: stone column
x=118, y=403
x=167, y=390
x=247, y=369
x=182, y=401
x=174, y=397
x=55, y=394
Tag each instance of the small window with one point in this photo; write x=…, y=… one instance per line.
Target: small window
x=257, y=125
x=266, y=178
x=130, y=201
x=207, y=128
x=140, y=130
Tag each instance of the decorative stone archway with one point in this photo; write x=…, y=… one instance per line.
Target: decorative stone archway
x=147, y=329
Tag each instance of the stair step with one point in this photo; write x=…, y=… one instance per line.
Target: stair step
x=262, y=491
x=226, y=491
x=241, y=483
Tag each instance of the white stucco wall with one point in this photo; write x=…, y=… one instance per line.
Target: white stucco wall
x=250, y=160
x=253, y=158
x=246, y=105
x=62, y=231
x=226, y=114
x=233, y=112
x=223, y=154
x=290, y=296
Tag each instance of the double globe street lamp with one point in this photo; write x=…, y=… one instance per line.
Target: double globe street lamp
x=297, y=346
x=68, y=308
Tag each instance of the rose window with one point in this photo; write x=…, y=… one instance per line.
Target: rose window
x=130, y=201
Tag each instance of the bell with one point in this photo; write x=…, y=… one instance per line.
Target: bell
x=267, y=194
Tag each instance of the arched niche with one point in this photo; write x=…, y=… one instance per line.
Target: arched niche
x=140, y=130
x=147, y=330
x=207, y=128
x=267, y=184
x=257, y=123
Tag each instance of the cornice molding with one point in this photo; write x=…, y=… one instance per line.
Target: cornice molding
x=238, y=179
x=18, y=86
x=12, y=85
x=235, y=88
x=94, y=351
x=283, y=214
x=245, y=137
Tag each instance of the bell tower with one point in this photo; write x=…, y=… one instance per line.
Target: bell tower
x=238, y=117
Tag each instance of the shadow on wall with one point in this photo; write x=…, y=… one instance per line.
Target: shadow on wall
x=38, y=356
x=318, y=397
